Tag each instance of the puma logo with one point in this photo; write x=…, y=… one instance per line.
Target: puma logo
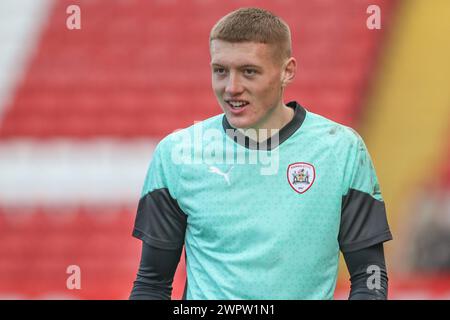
x=225, y=175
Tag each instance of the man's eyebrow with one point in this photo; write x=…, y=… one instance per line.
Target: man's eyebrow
x=254, y=66
x=216, y=64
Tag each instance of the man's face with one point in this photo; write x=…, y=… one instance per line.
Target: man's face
x=247, y=81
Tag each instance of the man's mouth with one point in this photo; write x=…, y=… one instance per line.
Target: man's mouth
x=237, y=104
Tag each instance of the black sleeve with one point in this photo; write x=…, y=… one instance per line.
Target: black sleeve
x=368, y=274
x=160, y=222
x=363, y=222
x=156, y=271
x=161, y=225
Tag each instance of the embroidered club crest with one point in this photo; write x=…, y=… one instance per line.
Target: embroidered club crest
x=301, y=176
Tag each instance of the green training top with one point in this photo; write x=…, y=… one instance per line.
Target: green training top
x=262, y=221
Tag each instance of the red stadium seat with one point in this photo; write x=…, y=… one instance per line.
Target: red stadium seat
x=78, y=84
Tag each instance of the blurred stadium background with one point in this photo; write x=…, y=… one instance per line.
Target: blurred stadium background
x=81, y=111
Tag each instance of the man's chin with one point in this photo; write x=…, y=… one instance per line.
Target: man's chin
x=239, y=123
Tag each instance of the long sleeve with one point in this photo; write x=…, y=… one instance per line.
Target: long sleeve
x=156, y=271
x=368, y=273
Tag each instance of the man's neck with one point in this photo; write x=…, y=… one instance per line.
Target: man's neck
x=278, y=118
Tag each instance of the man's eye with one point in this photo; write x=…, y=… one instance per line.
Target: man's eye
x=219, y=71
x=249, y=72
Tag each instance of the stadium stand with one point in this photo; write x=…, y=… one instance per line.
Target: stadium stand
x=123, y=74
x=139, y=70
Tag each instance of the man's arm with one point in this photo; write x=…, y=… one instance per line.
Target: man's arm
x=156, y=271
x=358, y=263
x=364, y=226
x=161, y=225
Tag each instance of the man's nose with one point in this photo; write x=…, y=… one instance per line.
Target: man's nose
x=233, y=85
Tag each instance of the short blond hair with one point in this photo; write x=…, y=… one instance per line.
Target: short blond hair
x=254, y=25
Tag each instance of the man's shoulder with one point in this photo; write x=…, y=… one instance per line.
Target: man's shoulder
x=335, y=132
x=197, y=128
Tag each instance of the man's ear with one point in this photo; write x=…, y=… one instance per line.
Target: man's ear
x=289, y=71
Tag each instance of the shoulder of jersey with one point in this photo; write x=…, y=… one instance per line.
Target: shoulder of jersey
x=336, y=132
x=214, y=122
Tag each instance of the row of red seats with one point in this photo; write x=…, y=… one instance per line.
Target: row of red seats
x=37, y=245
x=123, y=74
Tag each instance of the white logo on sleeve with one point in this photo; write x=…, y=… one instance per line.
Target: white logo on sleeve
x=225, y=175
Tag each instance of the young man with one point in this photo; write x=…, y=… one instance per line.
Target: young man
x=265, y=196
